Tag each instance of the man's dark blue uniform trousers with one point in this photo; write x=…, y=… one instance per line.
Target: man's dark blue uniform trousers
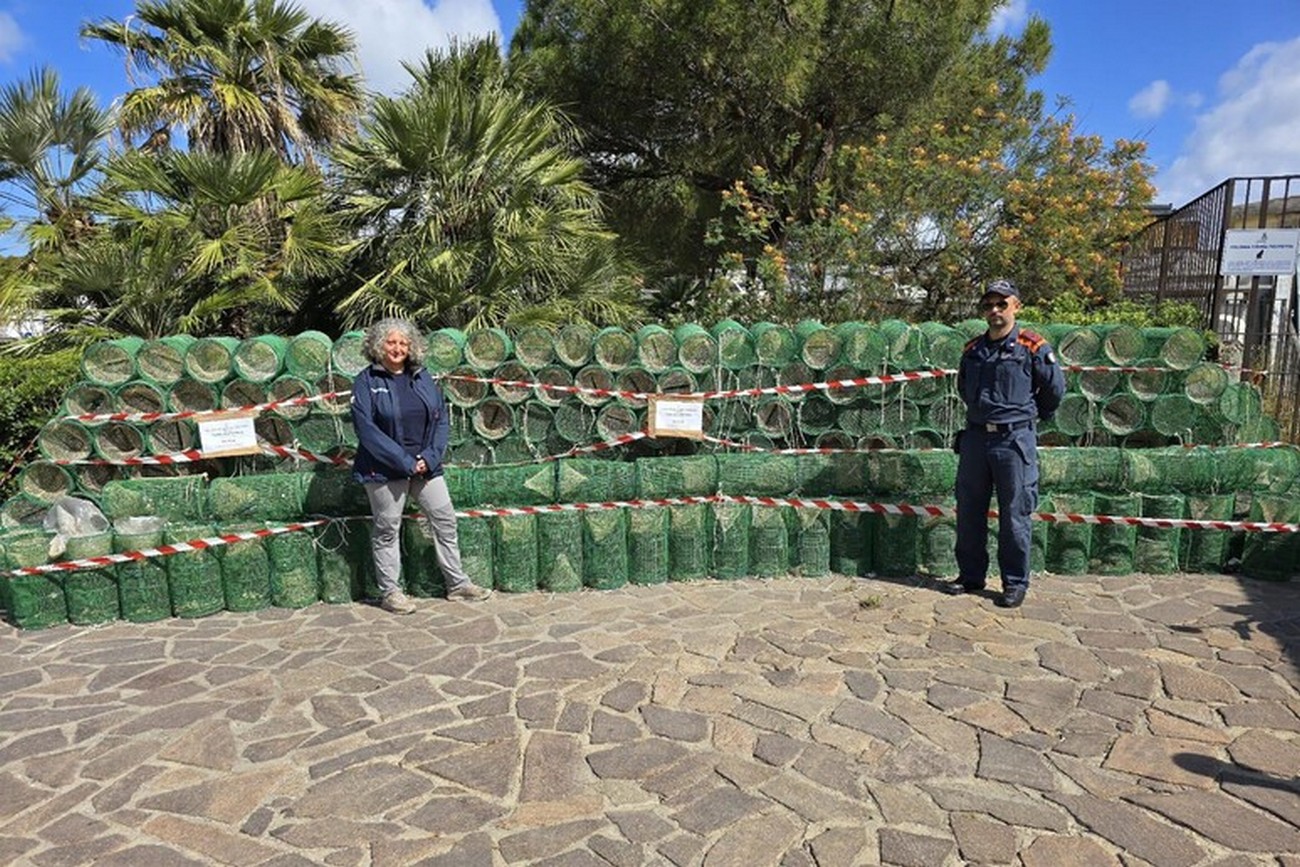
x=1008, y=462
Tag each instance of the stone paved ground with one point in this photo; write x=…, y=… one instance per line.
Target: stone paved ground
x=1111, y=721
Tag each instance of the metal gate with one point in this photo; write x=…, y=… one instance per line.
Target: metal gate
x=1257, y=319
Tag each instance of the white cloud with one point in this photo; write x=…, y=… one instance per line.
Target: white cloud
x=11, y=37
x=391, y=31
x=1252, y=129
x=1152, y=100
x=1009, y=17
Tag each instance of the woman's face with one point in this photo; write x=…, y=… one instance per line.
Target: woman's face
x=396, y=349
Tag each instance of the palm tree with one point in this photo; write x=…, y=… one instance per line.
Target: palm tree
x=468, y=207
x=190, y=242
x=238, y=75
x=50, y=146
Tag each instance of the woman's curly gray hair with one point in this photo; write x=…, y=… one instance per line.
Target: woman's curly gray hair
x=373, y=343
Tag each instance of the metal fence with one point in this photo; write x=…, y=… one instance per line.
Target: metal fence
x=1257, y=319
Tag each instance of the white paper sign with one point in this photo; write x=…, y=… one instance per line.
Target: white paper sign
x=676, y=417
x=1259, y=252
x=228, y=435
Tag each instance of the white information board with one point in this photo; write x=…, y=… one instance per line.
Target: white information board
x=1259, y=252
x=228, y=435
x=675, y=416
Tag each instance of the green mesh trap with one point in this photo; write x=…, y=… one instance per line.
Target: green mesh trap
x=1113, y=544
x=1271, y=471
x=336, y=395
x=308, y=355
x=936, y=542
x=33, y=601
x=819, y=346
x=475, y=542
x=850, y=543
x=245, y=571
x=264, y=497
x=1157, y=550
x=1177, y=348
x=321, y=433
x=812, y=554
x=421, y=576
x=517, y=486
x=735, y=344
x=534, y=422
x=1122, y=344
x=1272, y=556
x=605, y=549
x=832, y=475
x=294, y=574
x=774, y=416
x=463, y=387
x=634, y=380
x=1075, y=416
x=573, y=344
x=111, y=362
x=194, y=577
x=512, y=371
x=647, y=546
x=553, y=375
x=587, y=480
x=183, y=498
x=1122, y=414
x=45, y=482
x=288, y=388
x=559, y=543
x=1076, y=344
x=1038, y=535
x=142, y=584
x=1069, y=545
x=697, y=350
x=190, y=395
x=118, y=441
x=22, y=511
x=140, y=397
x=487, y=348
x=769, y=542
x=1147, y=384
x=899, y=418
x=613, y=348
x=1207, y=551
x=162, y=361
x=348, y=355
x=794, y=373
x=656, y=348
x=241, y=393
x=1097, y=385
x=211, y=359
x=492, y=418
x=677, y=380
x=344, y=562
x=944, y=345
x=1175, y=415
x=758, y=474
x=862, y=346
x=687, y=476
x=730, y=556
x=534, y=347
x=515, y=550
x=690, y=539
x=774, y=345
x=615, y=420
x=895, y=545
x=597, y=378
x=261, y=358
x=89, y=398
x=1240, y=402
x=91, y=594
x=444, y=349
x=1205, y=383
x=512, y=449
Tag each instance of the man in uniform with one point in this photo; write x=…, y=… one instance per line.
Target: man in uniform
x=1008, y=378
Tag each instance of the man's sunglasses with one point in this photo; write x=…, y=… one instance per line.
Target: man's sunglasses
x=994, y=305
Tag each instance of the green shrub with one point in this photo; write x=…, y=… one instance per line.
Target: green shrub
x=30, y=392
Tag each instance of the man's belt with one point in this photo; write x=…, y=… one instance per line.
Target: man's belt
x=1006, y=427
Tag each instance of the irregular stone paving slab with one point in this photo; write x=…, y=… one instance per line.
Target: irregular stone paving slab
x=1110, y=721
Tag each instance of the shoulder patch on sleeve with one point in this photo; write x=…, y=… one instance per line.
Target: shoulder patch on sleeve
x=970, y=344
x=1031, y=340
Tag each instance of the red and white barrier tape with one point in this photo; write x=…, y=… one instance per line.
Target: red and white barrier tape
x=885, y=379
x=192, y=455
x=166, y=550
x=905, y=509
x=197, y=413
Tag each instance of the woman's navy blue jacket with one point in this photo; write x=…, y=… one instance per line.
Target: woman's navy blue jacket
x=378, y=420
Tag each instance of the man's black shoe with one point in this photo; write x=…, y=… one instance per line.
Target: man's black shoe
x=957, y=588
x=1013, y=598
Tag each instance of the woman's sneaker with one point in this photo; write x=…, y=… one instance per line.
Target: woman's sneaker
x=469, y=593
x=396, y=602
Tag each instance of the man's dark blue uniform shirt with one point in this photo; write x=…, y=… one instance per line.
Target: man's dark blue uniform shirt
x=1015, y=379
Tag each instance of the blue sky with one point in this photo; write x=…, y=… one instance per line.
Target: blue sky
x=1212, y=87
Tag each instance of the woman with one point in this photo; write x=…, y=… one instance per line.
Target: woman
x=402, y=431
